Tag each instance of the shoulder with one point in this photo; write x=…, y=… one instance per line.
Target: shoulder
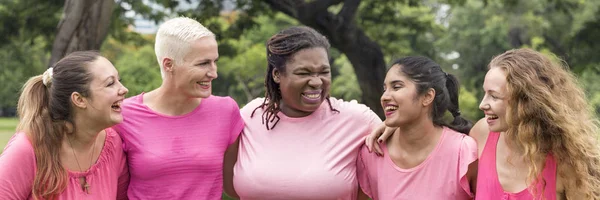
x=221, y=99
x=17, y=168
x=352, y=108
x=250, y=106
x=18, y=152
x=460, y=140
x=19, y=144
x=222, y=102
x=111, y=134
x=480, y=131
x=132, y=100
x=114, y=140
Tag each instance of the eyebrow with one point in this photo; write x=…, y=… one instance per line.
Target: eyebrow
x=203, y=60
x=111, y=77
x=325, y=67
x=396, y=81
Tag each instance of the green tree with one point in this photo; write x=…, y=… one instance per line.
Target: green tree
x=139, y=70
x=19, y=60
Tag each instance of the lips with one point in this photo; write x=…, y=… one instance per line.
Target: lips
x=312, y=97
x=491, y=116
x=204, y=84
x=390, y=109
x=116, y=106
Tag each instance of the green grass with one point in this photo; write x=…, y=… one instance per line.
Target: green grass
x=7, y=130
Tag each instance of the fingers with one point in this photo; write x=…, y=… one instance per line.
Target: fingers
x=370, y=140
x=378, y=150
x=369, y=143
x=386, y=134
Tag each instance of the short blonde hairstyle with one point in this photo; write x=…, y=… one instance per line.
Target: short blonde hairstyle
x=174, y=37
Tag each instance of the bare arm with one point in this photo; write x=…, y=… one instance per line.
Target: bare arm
x=229, y=161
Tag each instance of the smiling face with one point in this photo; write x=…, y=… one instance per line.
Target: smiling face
x=106, y=93
x=494, y=101
x=194, y=75
x=305, y=82
x=400, y=101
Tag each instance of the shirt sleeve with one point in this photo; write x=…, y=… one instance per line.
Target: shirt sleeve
x=17, y=168
x=371, y=119
x=237, y=123
x=121, y=165
x=123, y=179
x=468, y=155
x=362, y=174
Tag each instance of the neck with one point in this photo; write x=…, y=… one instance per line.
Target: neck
x=414, y=137
x=290, y=112
x=84, y=136
x=168, y=100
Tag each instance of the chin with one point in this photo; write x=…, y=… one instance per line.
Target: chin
x=115, y=120
x=391, y=123
x=498, y=129
x=201, y=95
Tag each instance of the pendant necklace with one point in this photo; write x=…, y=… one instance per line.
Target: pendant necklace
x=85, y=186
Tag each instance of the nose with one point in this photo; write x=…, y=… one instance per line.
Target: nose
x=484, y=105
x=212, y=72
x=385, y=97
x=123, y=91
x=315, y=82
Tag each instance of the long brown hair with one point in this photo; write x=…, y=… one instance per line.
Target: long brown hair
x=280, y=49
x=547, y=113
x=44, y=111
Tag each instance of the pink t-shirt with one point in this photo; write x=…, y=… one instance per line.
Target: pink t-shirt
x=312, y=157
x=178, y=157
x=488, y=184
x=107, y=177
x=442, y=175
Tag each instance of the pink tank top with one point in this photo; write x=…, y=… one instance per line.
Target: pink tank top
x=488, y=184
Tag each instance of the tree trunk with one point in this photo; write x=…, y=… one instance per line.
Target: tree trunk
x=365, y=55
x=84, y=26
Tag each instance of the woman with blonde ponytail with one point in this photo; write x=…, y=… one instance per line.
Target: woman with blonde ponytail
x=64, y=147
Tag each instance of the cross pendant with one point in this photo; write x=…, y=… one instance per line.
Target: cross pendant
x=85, y=186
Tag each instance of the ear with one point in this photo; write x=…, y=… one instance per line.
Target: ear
x=78, y=100
x=167, y=64
x=428, y=97
x=276, y=74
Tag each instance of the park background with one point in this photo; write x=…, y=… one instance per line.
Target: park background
x=461, y=35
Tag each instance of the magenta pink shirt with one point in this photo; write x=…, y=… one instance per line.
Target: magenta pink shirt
x=442, y=175
x=488, y=184
x=178, y=157
x=107, y=177
x=312, y=157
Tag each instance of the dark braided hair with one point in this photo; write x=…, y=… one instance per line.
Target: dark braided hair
x=428, y=74
x=280, y=49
